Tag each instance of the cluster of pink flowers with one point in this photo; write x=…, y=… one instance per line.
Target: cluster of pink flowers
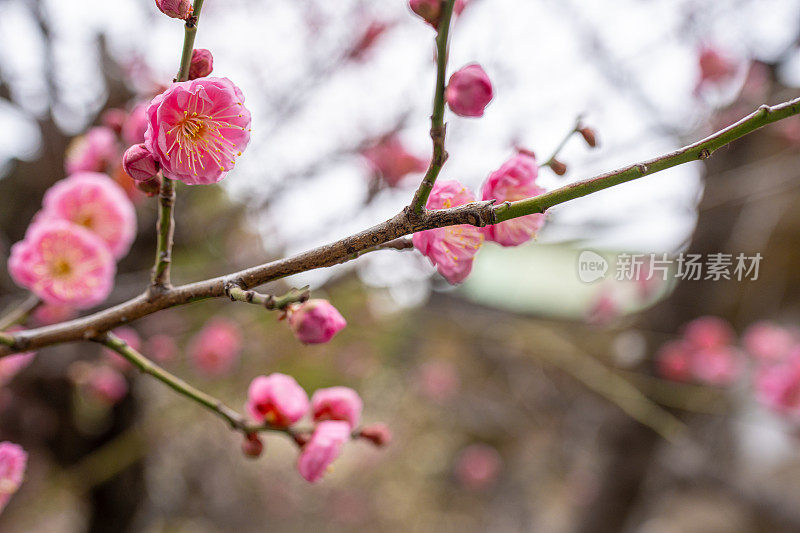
x=13, y=461
x=67, y=257
x=706, y=353
x=278, y=400
x=195, y=130
x=452, y=249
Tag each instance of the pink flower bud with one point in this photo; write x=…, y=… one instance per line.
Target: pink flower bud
x=478, y=466
x=673, y=360
x=469, y=91
x=252, y=446
x=558, y=167
x=589, y=135
x=778, y=386
x=708, y=332
x=13, y=461
x=322, y=449
x=202, y=64
x=315, y=321
x=378, y=434
x=337, y=403
x=177, y=9
x=106, y=384
x=216, y=348
x=276, y=399
x=431, y=10
x=139, y=163
x=768, y=342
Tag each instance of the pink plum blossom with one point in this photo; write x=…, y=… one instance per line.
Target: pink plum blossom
x=63, y=264
x=197, y=128
x=162, y=348
x=515, y=180
x=13, y=460
x=673, y=360
x=276, y=399
x=391, y=161
x=46, y=314
x=469, y=91
x=768, y=342
x=453, y=248
x=95, y=202
x=323, y=449
x=139, y=163
x=337, y=403
x=715, y=67
x=106, y=384
x=216, y=348
x=114, y=119
x=438, y=380
x=478, y=466
x=177, y=9
x=135, y=125
x=708, y=332
x=202, y=64
x=315, y=321
x=719, y=365
x=94, y=151
x=778, y=386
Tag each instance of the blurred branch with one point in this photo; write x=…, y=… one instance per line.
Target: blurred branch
x=20, y=312
x=563, y=142
x=438, y=128
x=404, y=223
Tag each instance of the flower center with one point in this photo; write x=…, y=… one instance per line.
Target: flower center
x=198, y=135
x=61, y=268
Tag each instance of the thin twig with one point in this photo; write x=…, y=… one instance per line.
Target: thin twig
x=476, y=214
x=19, y=312
x=268, y=301
x=438, y=128
x=564, y=141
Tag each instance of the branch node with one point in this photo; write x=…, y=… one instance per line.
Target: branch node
x=704, y=154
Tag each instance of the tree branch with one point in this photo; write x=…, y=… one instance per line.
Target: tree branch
x=268, y=301
x=20, y=312
x=402, y=224
x=438, y=128
x=160, y=279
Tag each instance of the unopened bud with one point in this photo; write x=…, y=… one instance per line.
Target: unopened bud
x=589, y=136
x=558, y=167
x=177, y=9
x=202, y=64
x=252, y=446
x=469, y=91
x=428, y=10
x=378, y=434
x=139, y=163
